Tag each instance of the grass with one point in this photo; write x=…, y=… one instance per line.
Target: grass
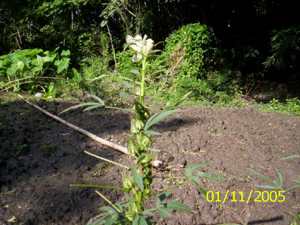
x=289, y=106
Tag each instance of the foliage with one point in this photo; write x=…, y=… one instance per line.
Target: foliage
x=137, y=183
x=163, y=206
x=31, y=68
x=188, y=64
x=296, y=219
x=195, y=44
x=194, y=175
x=285, y=49
x=276, y=183
x=291, y=106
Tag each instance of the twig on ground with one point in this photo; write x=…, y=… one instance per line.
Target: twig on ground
x=80, y=130
x=106, y=160
x=108, y=201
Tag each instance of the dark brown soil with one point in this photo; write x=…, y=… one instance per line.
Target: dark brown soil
x=40, y=158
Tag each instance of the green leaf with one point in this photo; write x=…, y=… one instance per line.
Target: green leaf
x=296, y=219
x=149, y=212
x=277, y=183
x=296, y=156
x=62, y=64
x=12, y=70
x=162, y=197
x=97, y=99
x=259, y=175
x=211, y=176
x=172, y=105
x=88, y=104
x=202, y=190
x=295, y=186
x=135, y=72
x=65, y=53
x=20, y=65
x=139, y=220
x=145, y=159
x=190, y=169
x=156, y=118
x=103, y=23
x=93, y=107
x=136, y=125
x=138, y=179
x=164, y=212
x=108, y=217
x=178, y=206
x=143, y=141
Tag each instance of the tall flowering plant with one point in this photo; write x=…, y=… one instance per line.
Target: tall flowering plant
x=138, y=184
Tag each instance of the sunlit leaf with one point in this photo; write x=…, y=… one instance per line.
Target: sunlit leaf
x=88, y=104
x=138, y=179
x=139, y=220
x=164, y=212
x=156, y=118
x=178, y=206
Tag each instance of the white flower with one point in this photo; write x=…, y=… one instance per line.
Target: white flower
x=141, y=45
x=38, y=95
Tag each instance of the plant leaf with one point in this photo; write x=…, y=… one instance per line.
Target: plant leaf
x=93, y=107
x=259, y=175
x=178, y=206
x=138, y=179
x=164, y=212
x=296, y=156
x=97, y=99
x=211, y=176
x=139, y=220
x=157, y=117
x=88, y=104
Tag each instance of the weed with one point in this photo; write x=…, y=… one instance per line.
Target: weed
x=25, y=69
x=137, y=183
x=291, y=106
x=296, y=219
x=276, y=184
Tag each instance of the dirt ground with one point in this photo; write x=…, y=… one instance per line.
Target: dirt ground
x=40, y=159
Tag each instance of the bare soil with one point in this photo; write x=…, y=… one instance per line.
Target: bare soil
x=40, y=159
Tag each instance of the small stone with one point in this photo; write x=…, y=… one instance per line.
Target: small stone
x=157, y=163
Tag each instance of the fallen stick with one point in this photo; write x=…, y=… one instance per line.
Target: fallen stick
x=106, y=160
x=80, y=130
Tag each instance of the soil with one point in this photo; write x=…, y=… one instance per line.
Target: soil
x=40, y=159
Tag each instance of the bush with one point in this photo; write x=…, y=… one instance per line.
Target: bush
x=290, y=106
x=188, y=64
x=191, y=49
x=31, y=69
x=285, y=53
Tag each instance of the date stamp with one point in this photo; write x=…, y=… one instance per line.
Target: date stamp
x=256, y=196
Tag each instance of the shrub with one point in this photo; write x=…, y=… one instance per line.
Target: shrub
x=188, y=64
x=32, y=68
x=290, y=106
x=285, y=45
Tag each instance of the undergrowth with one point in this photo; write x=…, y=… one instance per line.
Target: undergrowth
x=290, y=106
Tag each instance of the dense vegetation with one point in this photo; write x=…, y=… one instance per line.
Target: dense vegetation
x=218, y=52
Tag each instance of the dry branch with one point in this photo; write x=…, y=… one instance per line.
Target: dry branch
x=80, y=130
x=106, y=160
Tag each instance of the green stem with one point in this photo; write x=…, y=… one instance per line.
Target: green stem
x=143, y=72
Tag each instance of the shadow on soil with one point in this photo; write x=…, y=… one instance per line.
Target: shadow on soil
x=40, y=158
